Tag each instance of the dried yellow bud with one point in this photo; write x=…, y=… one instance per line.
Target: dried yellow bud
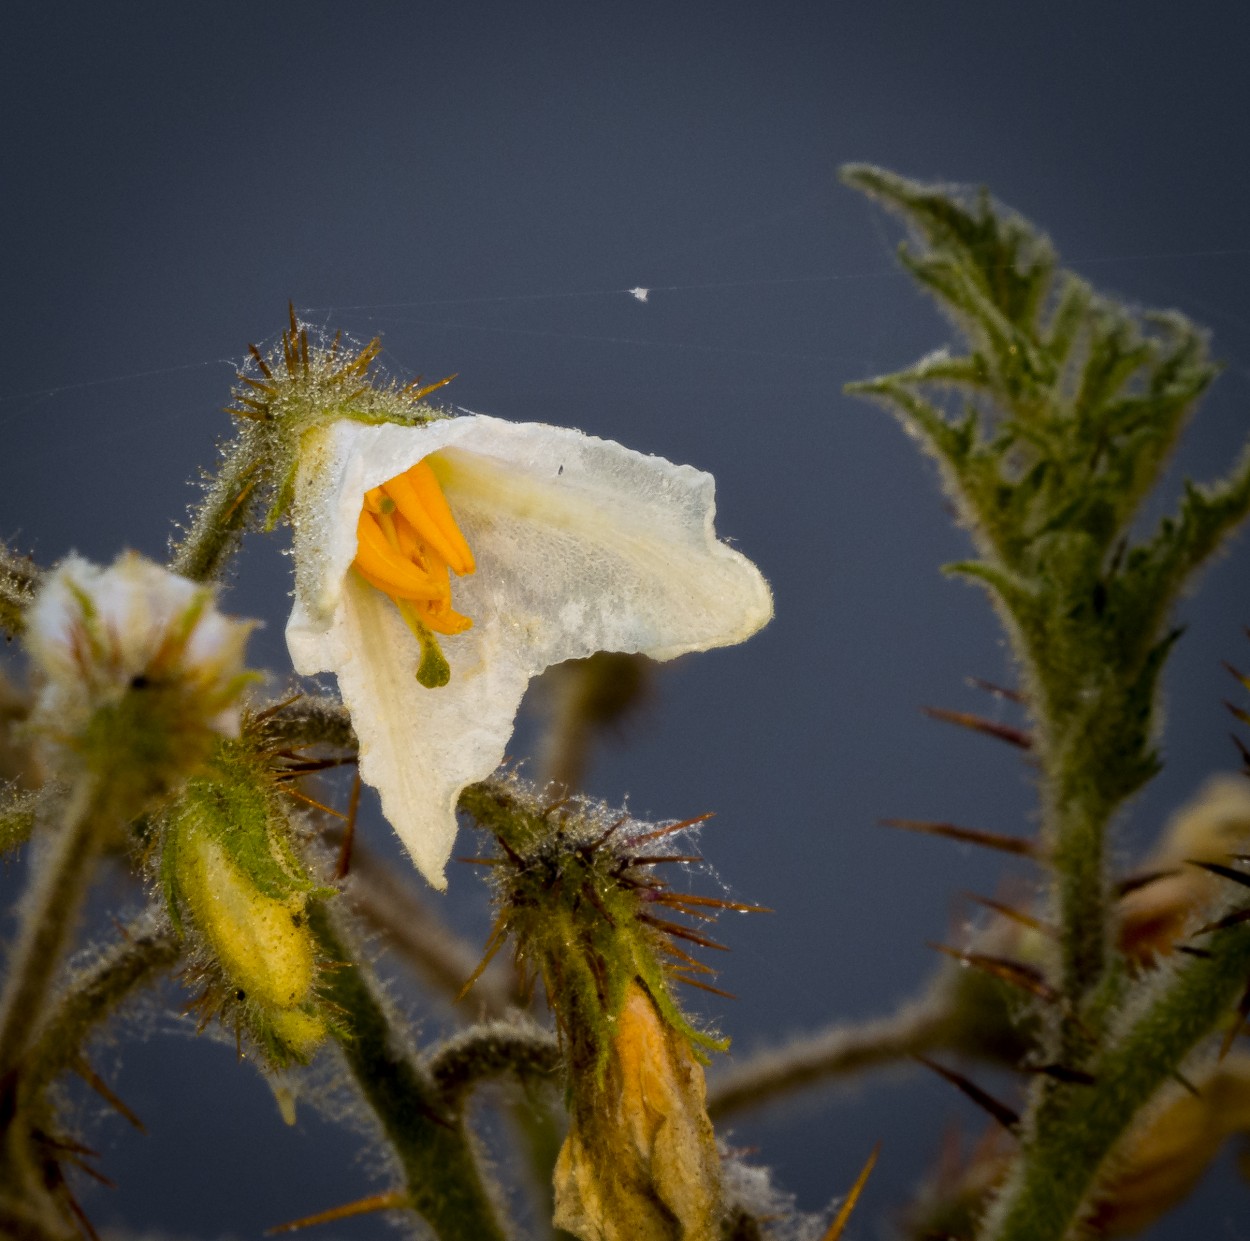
x=640, y=1161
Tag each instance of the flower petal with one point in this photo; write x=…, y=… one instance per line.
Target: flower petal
x=581, y=545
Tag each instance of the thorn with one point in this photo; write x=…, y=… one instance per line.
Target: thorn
x=239, y=500
x=313, y=802
x=102, y=1088
x=1014, y=914
x=658, y=859
x=689, y=962
x=966, y=835
x=79, y=1214
x=1225, y=872
x=1242, y=749
x=270, y=711
x=513, y=856
x=1189, y=950
x=998, y=691
x=396, y=1200
x=852, y=1197
x=1243, y=1012
x=1061, y=1073
x=979, y=724
x=414, y=392
x=716, y=903
x=999, y=1111
x=672, y=928
x=1221, y=924
x=593, y=897
x=1240, y=676
x=703, y=986
x=344, y=864
x=673, y=901
x=260, y=361
x=603, y=839
x=498, y=937
x=1135, y=882
x=1177, y=1076
x=258, y=386
x=1015, y=973
x=670, y=829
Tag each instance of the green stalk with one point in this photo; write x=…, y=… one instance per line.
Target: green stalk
x=49, y=914
x=1073, y=1128
x=219, y=522
x=146, y=947
x=441, y=1175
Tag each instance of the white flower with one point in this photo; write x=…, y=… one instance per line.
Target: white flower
x=133, y=632
x=580, y=546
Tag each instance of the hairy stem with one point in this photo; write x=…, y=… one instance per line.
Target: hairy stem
x=1072, y=1128
x=219, y=522
x=443, y=1181
x=146, y=947
x=1077, y=832
x=49, y=914
x=922, y=1026
x=496, y=1049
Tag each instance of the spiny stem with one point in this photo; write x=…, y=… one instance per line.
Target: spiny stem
x=145, y=948
x=442, y=1177
x=49, y=914
x=1072, y=1128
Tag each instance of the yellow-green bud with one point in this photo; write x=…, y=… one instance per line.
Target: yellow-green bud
x=228, y=869
x=262, y=943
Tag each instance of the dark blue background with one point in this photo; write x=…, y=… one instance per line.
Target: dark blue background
x=482, y=184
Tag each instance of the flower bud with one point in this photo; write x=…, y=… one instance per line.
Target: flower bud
x=139, y=673
x=228, y=870
x=640, y=1161
x=261, y=943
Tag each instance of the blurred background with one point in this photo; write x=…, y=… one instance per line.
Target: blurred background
x=483, y=185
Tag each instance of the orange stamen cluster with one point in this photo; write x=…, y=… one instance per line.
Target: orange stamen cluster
x=407, y=542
